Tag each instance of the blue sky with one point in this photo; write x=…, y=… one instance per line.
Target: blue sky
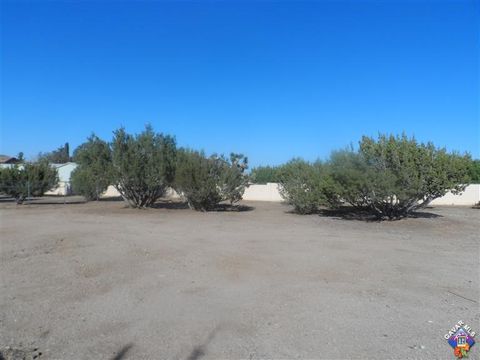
x=270, y=79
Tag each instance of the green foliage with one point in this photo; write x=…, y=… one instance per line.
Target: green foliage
x=265, y=174
x=93, y=174
x=59, y=156
x=394, y=176
x=304, y=185
x=233, y=180
x=474, y=171
x=29, y=178
x=390, y=177
x=206, y=181
x=143, y=165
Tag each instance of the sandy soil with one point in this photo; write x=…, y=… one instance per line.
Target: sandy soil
x=100, y=281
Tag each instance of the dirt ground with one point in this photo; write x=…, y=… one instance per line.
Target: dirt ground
x=100, y=281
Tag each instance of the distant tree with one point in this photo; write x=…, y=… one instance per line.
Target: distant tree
x=265, y=174
x=93, y=174
x=143, y=165
x=21, y=180
x=20, y=157
x=59, y=156
x=206, y=181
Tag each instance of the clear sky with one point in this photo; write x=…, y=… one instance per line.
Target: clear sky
x=271, y=79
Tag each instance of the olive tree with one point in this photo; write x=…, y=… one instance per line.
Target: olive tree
x=20, y=181
x=204, y=181
x=93, y=174
x=143, y=165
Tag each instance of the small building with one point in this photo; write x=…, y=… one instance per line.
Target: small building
x=8, y=161
x=64, y=175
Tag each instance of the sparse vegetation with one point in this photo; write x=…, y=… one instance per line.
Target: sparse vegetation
x=388, y=177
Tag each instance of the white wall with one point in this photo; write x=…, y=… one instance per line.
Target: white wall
x=269, y=192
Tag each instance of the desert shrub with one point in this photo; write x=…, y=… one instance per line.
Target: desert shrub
x=143, y=165
x=93, y=174
x=233, y=179
x=206, y=181
x=29, y=178
x=389, y=177
x=265, y=174
x=304, y=185
x=394, y=176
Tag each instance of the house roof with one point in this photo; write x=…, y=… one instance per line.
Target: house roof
x=5, y=159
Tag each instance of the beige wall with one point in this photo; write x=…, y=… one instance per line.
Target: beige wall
x=112, y=192
x=62, y=189
x=470, y=196
x=269, y=192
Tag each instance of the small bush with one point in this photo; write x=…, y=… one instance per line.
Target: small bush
x=29, y=178
x=206, y=181
x=143, y=166
x=303, y=185
x=93, y=174
x=233, y=179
